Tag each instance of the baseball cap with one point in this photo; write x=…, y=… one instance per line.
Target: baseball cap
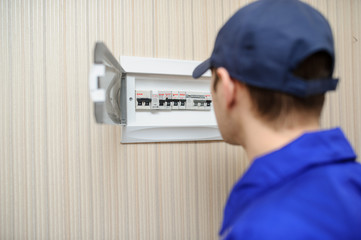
x=263, y=43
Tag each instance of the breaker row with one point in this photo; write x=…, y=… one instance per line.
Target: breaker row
x=172, y=100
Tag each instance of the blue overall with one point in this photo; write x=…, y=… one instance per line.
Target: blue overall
x=309, y=189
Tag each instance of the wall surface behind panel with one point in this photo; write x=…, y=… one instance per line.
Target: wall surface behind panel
x=64, y=177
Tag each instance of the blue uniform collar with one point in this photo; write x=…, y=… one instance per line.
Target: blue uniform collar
x=307, y=151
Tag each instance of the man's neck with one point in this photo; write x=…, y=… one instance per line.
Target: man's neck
x=261, y=139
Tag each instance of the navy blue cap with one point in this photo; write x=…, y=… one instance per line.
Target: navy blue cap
x=263, y=43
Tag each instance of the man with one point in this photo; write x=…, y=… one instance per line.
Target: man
x=271, y=65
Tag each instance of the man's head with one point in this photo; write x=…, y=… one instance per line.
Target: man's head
x=281, y=52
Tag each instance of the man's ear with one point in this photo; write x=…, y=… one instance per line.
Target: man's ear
x=226, y=86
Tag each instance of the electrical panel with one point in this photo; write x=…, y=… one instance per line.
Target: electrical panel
x=153, y=100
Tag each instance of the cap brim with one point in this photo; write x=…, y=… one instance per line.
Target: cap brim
x=202, y=68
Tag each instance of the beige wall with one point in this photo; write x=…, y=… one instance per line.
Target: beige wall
x=64, y=177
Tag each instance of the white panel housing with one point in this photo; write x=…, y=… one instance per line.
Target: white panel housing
x=165, y=76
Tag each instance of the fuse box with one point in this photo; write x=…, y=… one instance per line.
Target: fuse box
x=153, y=100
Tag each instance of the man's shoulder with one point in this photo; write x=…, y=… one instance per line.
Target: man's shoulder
x=331, y=190
x=328, y=179
x=311, y=204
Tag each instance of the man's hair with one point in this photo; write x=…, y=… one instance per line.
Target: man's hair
x=274, y=106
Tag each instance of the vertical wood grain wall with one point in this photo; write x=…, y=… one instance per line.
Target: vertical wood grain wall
x=64, y=177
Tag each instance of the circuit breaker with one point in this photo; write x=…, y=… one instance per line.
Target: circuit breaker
x=172, y=100
x=153, y=100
